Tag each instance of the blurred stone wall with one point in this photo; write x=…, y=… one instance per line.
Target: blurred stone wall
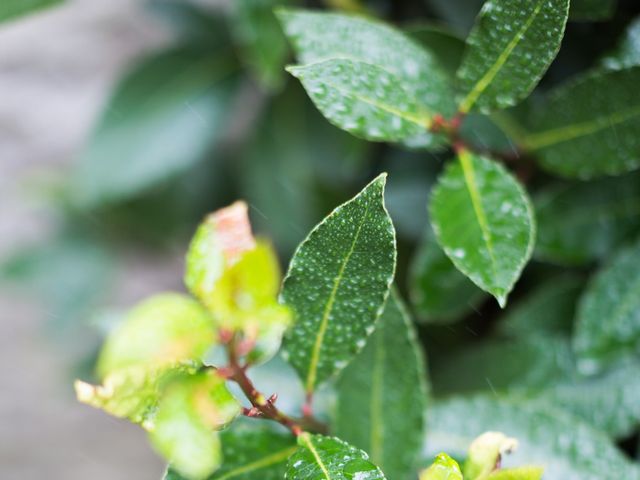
x=56, y=70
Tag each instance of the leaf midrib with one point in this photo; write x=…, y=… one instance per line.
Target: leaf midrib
x=482, y=84
x=468, y=171
x=316, y=455
x=566, y=133
x=315, y=355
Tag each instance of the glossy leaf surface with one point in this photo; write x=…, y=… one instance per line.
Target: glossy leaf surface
x=484, y=222
x=382, y=394
x=337, y=283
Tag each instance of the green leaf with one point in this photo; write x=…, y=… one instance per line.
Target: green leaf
x=548, y=309
x=568, y=448
x=263, y=45
x=11, y=9
x=162, y=119
x=439, y=292
x=251, y=454
x=501, y=366
x=382, y=394
x=189, y=411
x=164, y=330
x=591, y=10
x=364, y=99
x=521, y=473
x=582, y=222
x=509, y=49
x=443, y=468
x=581, y=134
x=388, y=52
x=485, y=452
x=337, y=283
x=484, y=222
x=627, y=52
x=608, y=321
x=329, y=458
x=608, y=402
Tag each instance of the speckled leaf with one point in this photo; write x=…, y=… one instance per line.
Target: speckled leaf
x=337, y=283
x=608, y=321
x=484, y=222
x=584, y=221
x=363, y=99
x=589, y=127
x=367, y=41
x=11, y=9
x=382, y=394
x=329, y=458
x=591, y=10
x=190, y=409
x=253, y=453
x=627, y=53
x=263, y=45
x=162, y=118
x=443, y=468
x=567, y=448
x=439, y=292
x=509, y=49
x=548, y=309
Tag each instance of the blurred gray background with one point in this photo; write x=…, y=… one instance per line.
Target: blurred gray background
x=56, y=70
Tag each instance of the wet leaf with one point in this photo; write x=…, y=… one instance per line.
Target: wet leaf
x=568, y=448
x=251, y=454
x=585, y=221
x=509, y=49
x=337, y=283
x=382, y=394
x=329, y=458
x=161, y=120
x=588, y=127
x=483, y=220
x=381, y=47
x=608, y=320
x=364, y=99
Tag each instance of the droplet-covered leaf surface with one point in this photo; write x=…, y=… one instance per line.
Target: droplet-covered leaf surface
x=483, y=220
x=251, y=452
x=362, y=40
x=329, y=458
x=337, y=284
x=589, y=127
x=608, y=321
x=382, y=394
x=363, y=99
x=509, y=49
x=567, y=448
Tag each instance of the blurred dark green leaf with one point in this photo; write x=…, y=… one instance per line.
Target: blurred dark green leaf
x=446, y=46
x=627, y=53
x=582, y=222
x=162, y=119
x=386, y=378
x=592, y=10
